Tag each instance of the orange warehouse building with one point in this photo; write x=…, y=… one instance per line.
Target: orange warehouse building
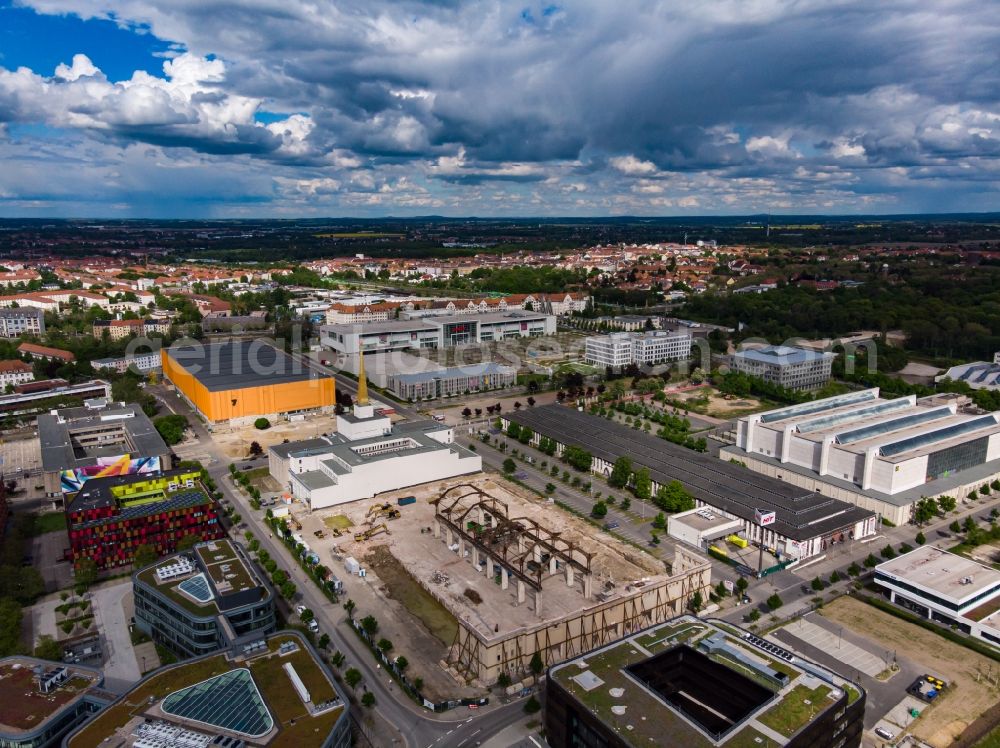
x=240, y=381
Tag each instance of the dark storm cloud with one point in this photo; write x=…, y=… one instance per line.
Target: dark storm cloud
x=636, y=105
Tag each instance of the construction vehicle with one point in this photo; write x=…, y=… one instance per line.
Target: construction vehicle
x=294, y=523
x=371, y=532
x=386, y=510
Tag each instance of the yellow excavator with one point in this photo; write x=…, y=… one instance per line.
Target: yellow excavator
x=386, y=510
x=371, y=532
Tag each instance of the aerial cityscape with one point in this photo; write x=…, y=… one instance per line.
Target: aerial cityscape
x=456, y=375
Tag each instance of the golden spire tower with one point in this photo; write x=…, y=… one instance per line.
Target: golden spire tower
x=362, y=382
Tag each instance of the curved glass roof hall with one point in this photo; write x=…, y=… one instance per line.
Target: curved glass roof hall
x=834, y=419
x=229, y=701
x=885, y=427
x=818, y=406
x=922, y=440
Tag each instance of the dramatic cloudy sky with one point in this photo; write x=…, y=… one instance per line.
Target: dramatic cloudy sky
x=458, y=107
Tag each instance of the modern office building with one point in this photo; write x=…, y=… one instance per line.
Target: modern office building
x=787, y=366
x=273, y=692
x=699, y=684
x=109, y=518
x=877, y=453
x=643, y=349
x=99, y=439
x=14, y=323
x=203, y=600
x=946, y=588
x=451, y=381
x=806, y=523
x=239, y=381
x=42, y=701
x=435, y=332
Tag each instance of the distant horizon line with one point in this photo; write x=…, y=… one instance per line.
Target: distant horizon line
x=703, y=216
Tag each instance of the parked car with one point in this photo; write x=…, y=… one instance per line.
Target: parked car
x=884, y=734
x=313, y=626
x=612, y=525
x=300, y=609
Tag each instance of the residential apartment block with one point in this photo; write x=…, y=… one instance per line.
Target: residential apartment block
x=15, y=372
x=20, y=321
x=122, y=328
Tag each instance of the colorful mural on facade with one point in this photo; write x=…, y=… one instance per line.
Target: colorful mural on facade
x=73, y=480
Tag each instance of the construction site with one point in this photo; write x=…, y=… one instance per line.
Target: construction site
x=514, y=575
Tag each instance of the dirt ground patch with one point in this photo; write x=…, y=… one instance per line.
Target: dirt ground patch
x=961, y=703
x=399, y=585
x=236, y=441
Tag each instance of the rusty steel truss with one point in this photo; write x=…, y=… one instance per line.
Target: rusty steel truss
x=521, y=545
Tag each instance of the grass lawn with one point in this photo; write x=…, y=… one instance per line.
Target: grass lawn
x=337, y=522
x=793, y=712
x=50, y=522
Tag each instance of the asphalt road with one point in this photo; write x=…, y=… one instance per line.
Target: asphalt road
x=415, y=727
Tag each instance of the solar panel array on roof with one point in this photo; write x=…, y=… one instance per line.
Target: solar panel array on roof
x=229, y=701
x=801, y=514
x=939, y=435
x=818, y=406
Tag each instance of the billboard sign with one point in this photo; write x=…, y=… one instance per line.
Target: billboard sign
x=73, y=480
x=764, y=517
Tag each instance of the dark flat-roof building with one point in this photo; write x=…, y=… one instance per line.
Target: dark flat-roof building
x=805, y=524
x=240, y=381
x=699, y=684
x=98, y=440
x=42, y=700
x=203, y=600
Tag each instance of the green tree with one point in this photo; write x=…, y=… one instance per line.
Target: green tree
x=577, y=458
x=955, y=527
x=369, y=625
x=171, y=427
x=643, y=484
x=853, y=569
x=753, y=615
x=402, y=663
x=385, y=645
x=368, y=699
x=774, y=602
x=85, y=572
x=816, y=584
x=742, y=584
x=696, y=602
x=536, y=664
x=306, y=615
x=352, y=677
x=288, y=589
x=920, y=539
x=349, y=606
x=145, y=554
x=947, y=503
x=888, y=552
x=621, y=472
x=509, y=466
x=870, y=561
x=10, y=627
x=660, y=521
x=674, y=498
x=531, y=706
x=599, y=510
x=262, y=424
x=48, y=649
x=324, y=641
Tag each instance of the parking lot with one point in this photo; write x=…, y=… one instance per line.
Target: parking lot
x=20, y=455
